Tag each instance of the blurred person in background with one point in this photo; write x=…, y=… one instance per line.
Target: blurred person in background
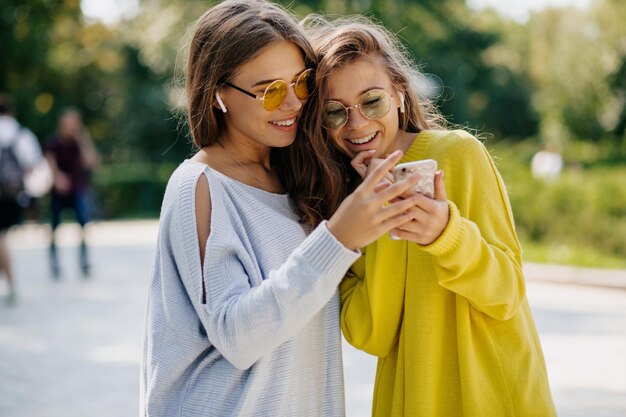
x=72, y=158
x=19, y=153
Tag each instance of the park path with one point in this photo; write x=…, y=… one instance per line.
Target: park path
x=71, y=348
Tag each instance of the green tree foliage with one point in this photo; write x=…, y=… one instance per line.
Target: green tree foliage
x=568, y=70
x=482, y=94
x=610, y=16
x=27, y=34
x=57, y=59
x=574, y=61
x=559, y=77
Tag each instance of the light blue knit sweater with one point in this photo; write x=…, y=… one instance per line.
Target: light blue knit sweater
x=267, y=341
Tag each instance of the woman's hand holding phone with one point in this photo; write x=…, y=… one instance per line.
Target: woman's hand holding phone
x=430, y=217
x=374, y=208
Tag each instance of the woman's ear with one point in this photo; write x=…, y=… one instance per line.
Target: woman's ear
x=401, y=98
x=220, y=102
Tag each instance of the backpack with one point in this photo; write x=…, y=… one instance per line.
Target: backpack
x=11, y=172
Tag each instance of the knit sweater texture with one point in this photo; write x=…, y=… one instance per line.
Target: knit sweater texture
x=255, y=330
x=450, y=321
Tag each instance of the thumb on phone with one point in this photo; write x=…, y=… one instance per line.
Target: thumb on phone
x=440, y=187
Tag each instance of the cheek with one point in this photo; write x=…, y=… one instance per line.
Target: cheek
x=391, y=123
x=251, y=113
x=247, y=120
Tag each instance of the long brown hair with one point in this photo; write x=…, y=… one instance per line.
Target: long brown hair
x=347, y=39
x=227, y=36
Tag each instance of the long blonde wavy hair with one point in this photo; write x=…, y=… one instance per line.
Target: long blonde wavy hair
x=339, y=42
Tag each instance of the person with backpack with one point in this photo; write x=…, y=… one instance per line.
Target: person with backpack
x=19, y=153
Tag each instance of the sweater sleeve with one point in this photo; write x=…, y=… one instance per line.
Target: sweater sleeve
x=246, y=322
x=478, y=255
x=372, y=300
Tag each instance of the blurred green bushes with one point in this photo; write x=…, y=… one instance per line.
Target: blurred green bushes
x=132, y=190
x=580, y=218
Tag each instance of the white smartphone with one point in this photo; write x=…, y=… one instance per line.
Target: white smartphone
x=426, y=168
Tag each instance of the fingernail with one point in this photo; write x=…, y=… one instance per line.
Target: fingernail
x=396, y=153
x=393, y=236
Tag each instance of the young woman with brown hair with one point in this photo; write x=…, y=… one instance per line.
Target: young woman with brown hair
x=442, y=300
x=243, y=309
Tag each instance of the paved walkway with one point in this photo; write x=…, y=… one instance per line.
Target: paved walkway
x=71, y=348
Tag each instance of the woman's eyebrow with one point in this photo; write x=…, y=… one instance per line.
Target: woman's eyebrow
x=262, y=82
x=359, y=94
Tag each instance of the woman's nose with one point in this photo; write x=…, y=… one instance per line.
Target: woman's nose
x=292, y=102
x=355, y=119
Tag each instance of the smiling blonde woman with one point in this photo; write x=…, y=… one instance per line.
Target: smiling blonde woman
x=441, y=302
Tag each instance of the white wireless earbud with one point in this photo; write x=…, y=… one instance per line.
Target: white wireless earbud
x=220, y=102
x=401, y=96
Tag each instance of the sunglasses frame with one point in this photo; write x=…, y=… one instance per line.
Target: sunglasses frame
x=306, y=72
x=358, y=107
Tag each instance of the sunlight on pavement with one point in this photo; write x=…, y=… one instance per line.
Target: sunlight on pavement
x=87, y=332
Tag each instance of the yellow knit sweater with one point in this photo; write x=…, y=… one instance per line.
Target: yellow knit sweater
x=449, y=321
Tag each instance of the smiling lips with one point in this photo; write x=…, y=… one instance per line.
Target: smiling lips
x=285, y=123
x=362, y=140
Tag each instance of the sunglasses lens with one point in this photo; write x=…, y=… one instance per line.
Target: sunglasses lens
x=335, y=115
x=275, y=95
x=302, y=86
x=375, y=104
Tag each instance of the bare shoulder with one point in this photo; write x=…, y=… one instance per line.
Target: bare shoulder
x=203, y=212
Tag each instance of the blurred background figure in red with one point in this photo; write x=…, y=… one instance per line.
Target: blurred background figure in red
x=72, y=158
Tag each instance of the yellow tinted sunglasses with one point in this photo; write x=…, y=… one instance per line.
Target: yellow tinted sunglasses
x=276, y=93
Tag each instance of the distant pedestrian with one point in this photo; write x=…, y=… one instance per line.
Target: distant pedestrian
x=19, y=153
x=72, y=158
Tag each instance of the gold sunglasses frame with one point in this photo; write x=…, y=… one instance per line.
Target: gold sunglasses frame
x=306, y=73
x=358, y=107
